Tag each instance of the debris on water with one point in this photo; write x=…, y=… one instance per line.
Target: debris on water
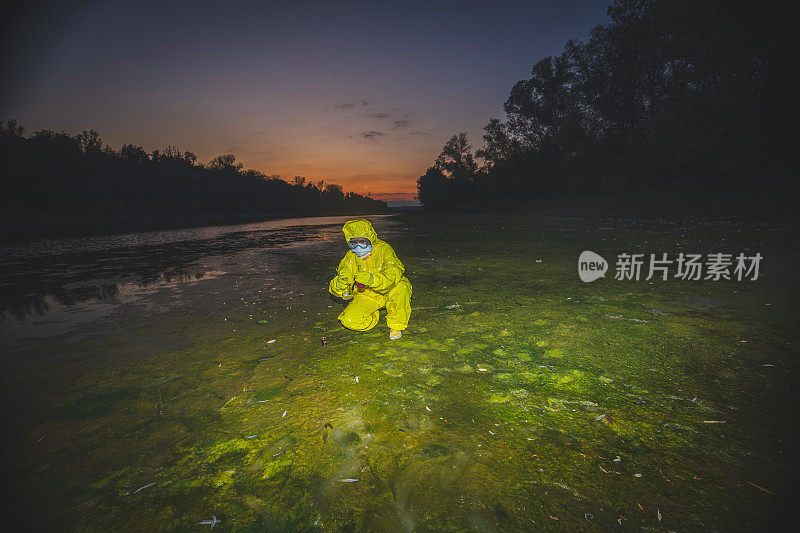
x=327, y=425
x=714, y=421
x=599, y=418
x=454, y=306
x=588, y=516
x=347, y=480
x=284, y=414
x=251, y=436
x=263, y=321
x=278, y=453
x=213, y=522
x=270, y=341
x=356, y=379
x=640, y=506
x=618, y=459
x=428, y=408
x=628, y=319
x=637, y=475
x=761, y=488
x=767, y=364
x=153, y=483
x=658, y=514
x=324, y=341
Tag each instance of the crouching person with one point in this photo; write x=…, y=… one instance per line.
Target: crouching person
x=371, y=275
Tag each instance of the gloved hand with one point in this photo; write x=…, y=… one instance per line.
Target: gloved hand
x=365, y=278
x=342, y=283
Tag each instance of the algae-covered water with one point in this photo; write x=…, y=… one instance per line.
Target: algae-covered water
x=154, y=381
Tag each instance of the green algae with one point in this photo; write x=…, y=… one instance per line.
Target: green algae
x=495, y=415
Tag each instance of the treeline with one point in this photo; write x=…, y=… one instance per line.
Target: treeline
x=690, y=97
x=54, y=173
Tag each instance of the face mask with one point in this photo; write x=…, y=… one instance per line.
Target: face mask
x=361, y=250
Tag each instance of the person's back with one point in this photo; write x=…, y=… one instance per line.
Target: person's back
x=372, y=276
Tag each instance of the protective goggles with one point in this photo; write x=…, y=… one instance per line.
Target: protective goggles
x=352, y=243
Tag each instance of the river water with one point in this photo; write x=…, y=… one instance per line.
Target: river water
x=152, y=381
x=52, y=286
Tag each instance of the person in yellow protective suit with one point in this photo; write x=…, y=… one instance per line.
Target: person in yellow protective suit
x=372, y=276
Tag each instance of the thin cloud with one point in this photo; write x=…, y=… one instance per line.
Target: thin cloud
x=403, y=123
x=372, y=135
x=418, y=133
x=351, y=105
x=378, y=115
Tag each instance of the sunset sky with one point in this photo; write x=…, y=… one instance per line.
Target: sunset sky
x=363, y=94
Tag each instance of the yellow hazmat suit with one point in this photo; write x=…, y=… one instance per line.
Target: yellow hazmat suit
x=387, y=286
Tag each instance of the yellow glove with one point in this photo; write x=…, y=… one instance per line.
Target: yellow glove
x=365, y=278
x=342, y=283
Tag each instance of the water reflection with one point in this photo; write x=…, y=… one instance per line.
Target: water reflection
x=36, y=277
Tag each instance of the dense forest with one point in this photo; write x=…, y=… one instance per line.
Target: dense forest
x=56, y=174
x=686, y=97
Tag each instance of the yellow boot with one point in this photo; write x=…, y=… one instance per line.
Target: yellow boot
x=395, y=334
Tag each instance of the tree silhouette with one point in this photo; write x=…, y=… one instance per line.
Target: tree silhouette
x=52, y=174
x=432, y=189
x=671, y=95
x=225, y=162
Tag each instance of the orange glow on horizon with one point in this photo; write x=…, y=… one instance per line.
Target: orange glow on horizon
x=387, y=178
x=399, y=189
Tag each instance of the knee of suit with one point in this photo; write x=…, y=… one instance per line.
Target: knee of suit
x=358, y=321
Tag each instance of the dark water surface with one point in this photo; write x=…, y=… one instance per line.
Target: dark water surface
x=154, y=380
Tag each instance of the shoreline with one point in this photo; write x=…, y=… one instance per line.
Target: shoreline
x=643, y=206
x=13, y=230
x=22, y=227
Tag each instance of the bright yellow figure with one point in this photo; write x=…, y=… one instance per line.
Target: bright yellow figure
x=372, y=276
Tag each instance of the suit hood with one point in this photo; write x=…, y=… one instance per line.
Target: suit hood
x=360, y=228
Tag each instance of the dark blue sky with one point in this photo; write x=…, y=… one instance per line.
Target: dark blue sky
x=358, y=93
